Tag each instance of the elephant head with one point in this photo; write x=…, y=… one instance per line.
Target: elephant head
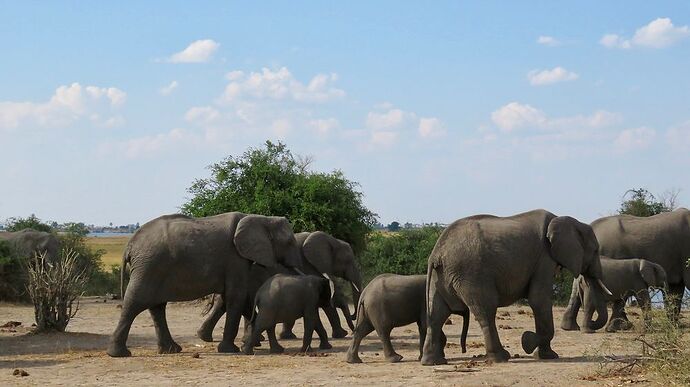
x=653, y=275
x=574, y=246
x=334, y=256
x=268, y=241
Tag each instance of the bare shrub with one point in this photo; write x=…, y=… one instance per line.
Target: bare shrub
x=54, y=287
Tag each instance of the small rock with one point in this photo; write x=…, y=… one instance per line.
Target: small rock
x=19, y=372
x=196, y=355
x=11, y=324
x=119, y=306
x=516, y=356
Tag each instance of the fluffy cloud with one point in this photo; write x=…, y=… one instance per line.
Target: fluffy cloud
x=548, y=41
x=199, y=51
x=547, y=77
x=431, y=127
x=279, y=85
x=515, y=115
x=384, y=138
x=324, y=126
x=391, y=119
x=168, y=89
x=201, y=115
x=634, y=139
x=388, y=124
x=67, y=105
x=659, y=33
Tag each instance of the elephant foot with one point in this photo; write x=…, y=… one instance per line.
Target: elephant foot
x=118, y=351
x=429, y=360
x=501, y=356
x=587, y=330
x=546, y=354
x=353, y=358
x=394, y=358
x=530, y=341
x=172, y=347
x=569, y=325
x=339, y=334
x=287, y=335
x=276, y=349
x=205, y=335
x=227, y=347
x=325, y=345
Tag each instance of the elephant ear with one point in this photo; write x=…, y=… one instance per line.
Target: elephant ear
x=566, y=243
x=651, y=273
x=253, y=240
x=318, y=251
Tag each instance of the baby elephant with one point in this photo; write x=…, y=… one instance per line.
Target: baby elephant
x=624, y=278
x=391, y=301
x=284, y=298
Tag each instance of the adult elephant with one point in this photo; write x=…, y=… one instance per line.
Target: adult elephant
x=23, y=245
x=663, y=239
x=180, y=258
x=319, y=253
x=487, y=262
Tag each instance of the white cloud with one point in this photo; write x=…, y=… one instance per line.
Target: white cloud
x=431, y=127
x=392, y=119
x=279, y=85
x=281, y=128
x=634, y=139
x=201, y=115
x=324, y=126
x=146, y=146
x=548, y=41
x=68, y=105
x=678, y=137
x=515, y=115
x=168, y=89
x=384, y=138
x=199, y=51
x=547, y=77
x=659, y=33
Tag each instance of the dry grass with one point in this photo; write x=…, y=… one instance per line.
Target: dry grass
x=114, y=247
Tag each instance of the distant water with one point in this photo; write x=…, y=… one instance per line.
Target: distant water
x=109, y=234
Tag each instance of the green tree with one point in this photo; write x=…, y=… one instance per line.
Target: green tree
x=640, y=202
x=33, y=222
x=393, y=227
x=272, y=181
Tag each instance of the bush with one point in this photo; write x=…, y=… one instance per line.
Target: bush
x=665, y=350
x=54, y=287
x=99, y=282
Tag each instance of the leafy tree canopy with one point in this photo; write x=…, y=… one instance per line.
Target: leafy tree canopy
x=18, y=224
x=640, y=202
x=272, y=181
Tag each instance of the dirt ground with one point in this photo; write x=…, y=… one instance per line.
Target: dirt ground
x=78, y=357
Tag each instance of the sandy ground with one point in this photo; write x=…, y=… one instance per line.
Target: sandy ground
x=78, y=358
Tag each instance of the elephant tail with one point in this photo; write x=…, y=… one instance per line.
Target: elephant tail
x=426, y=294
x=359, y=310
x=465, y=327
x=126, y=258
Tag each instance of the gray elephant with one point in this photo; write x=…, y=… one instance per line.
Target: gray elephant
x=624, y=278
x=663, y=239
x=320, y=253
x=24, y=244
x=285, y=297
x=390, y=301
x=180, y=258
x=489, y=262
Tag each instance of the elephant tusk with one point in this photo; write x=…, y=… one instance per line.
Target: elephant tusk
x=355, y=286
x=603, y=287
x=300, y=272
x=331, y=284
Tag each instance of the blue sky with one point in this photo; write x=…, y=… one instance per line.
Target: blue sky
x=108, y=112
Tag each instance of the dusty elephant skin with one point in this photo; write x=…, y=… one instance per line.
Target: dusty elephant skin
x=320, y=254
x=27, y=242
x=179, y=258
x=663, y=239
x=624, y=278
x=391, y=301
x=285, y=297
x=490, y=262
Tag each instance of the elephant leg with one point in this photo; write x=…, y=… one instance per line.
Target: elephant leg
x=673, y=300
x=334, y=320
x=321, y=332
x=205, y=331
x=309, y=324
x=362, y=329
x=118, y=341
x=421, y=327
x=166, y=344
x=486, y=316
x=235, y=298
x=540, y=301
x=388, y=351
x=286, y=333
x=273, y=342
x=256, y=328
x=619, y=320
x=439, y=312
x=569, y=320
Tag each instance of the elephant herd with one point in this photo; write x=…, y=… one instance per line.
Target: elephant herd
x=258, y=269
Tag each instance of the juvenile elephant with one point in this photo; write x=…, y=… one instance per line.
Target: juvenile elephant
x=24, y=244
x=285, y=297
x=663, y=239
x=624, y=278
x=320, y=253
x=180, y=258
x=391, y=301
x=489, y=261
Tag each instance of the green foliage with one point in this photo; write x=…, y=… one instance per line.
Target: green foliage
x=394, y=226
x=404, y=252
x=271, y=181
x=562, y=287
x=640, y=202
x=99, y=281
x=18, y=224
x=11, y=285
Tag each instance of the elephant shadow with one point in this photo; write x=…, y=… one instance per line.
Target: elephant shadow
x=29, y=363
x=51, y=343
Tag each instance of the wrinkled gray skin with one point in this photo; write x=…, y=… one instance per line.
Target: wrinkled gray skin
x=285, y=297
x=390, y=301
x=179, y=258
x=26, y=243
x=320, y=253
x=624, y=278
x=663, y=239
x=489, y=262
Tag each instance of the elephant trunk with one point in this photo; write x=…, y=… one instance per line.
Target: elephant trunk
x=594, y=300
